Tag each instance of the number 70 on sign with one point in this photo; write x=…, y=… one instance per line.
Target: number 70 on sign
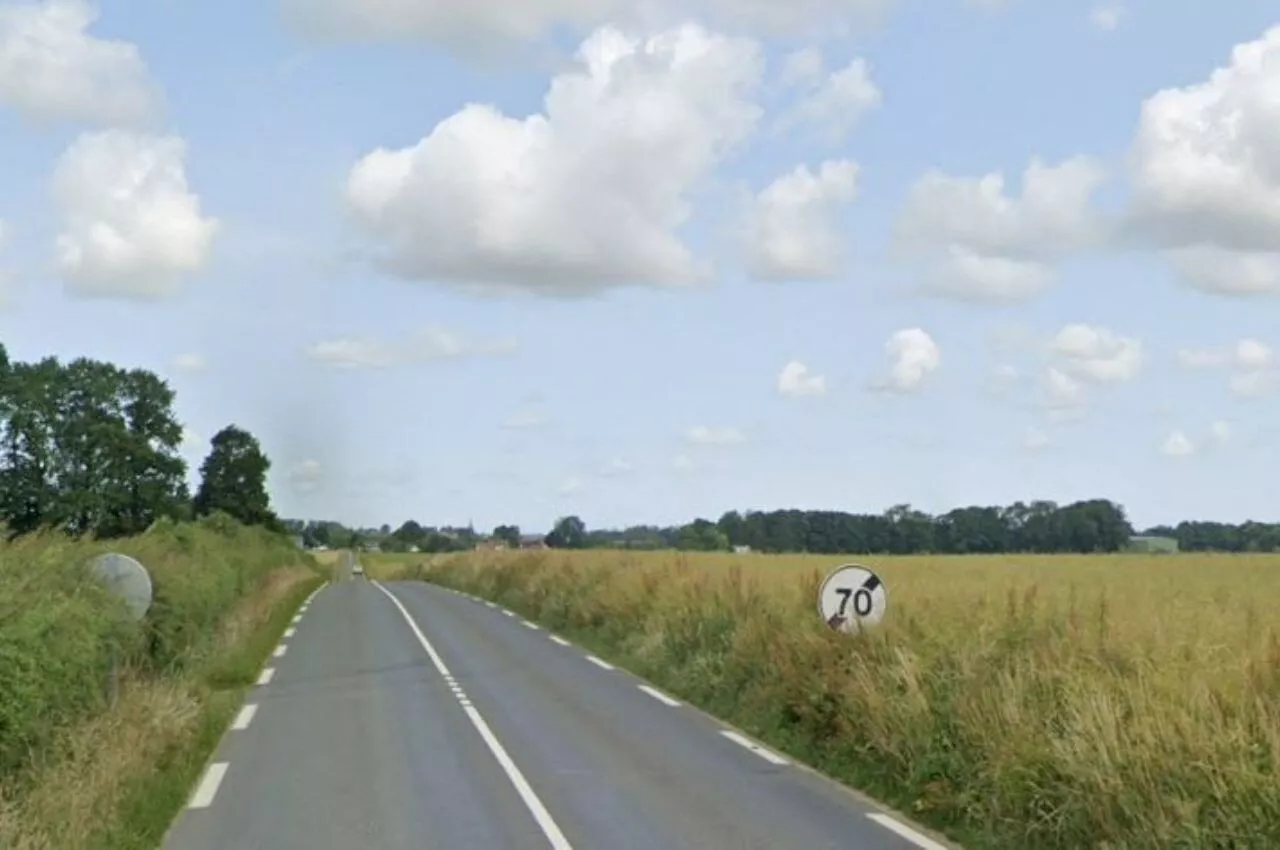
x=851, y=597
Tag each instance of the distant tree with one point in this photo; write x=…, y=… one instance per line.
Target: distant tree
x=702, y=535
x=569, y=533
x=233, y=479
x=508, y=534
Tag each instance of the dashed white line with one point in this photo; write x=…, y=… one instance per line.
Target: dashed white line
x=658, y=695
x=266, y=675
x=290, y=632
x=208, y=788
x=529, y=625
x=753, y=747
x=297, y=618
x=491, y=604
x=280, y=651
x=906, y=832
x=560, y=640
x=508, y=613
x=600, y=662
x=540, y=814
x=245, y=717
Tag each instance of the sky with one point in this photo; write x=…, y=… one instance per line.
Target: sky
x=508, y=260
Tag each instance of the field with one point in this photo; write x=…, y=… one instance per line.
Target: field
x=1128, y=701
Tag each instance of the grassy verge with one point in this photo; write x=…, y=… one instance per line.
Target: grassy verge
x=1008, y=703
x=95, y=777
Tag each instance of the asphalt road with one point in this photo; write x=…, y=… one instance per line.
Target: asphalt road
x=407, y=716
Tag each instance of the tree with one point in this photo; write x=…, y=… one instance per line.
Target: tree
x=569, y=533
x=233, y=479
x=508, y=534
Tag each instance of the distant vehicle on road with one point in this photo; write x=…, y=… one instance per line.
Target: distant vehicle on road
x=357, y=570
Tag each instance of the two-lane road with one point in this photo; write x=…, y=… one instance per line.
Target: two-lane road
x=408, y=716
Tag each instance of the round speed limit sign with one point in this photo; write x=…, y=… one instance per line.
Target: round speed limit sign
x=851, y=597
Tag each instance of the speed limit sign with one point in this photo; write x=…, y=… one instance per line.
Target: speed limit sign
x=851, y=597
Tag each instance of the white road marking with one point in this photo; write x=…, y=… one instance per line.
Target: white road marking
x=297, y=618
x=753, y=747
x=280, y=651
x=906, y=832
x=290, y=632
x=540, y=814
x=266, y=675
x=491, y=604
x=530, y=625
x=508, y=613
x=245, y=717
x=560, y=640
x=208, y=788
x=658, y=695
x=600, y=662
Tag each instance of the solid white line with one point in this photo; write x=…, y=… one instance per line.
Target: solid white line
x=290, y=632
x=560, y=640
x=280, y=651
x=245, y=717
x=600, y=662
x=266, y=675
x=753, y=747
x=208, y=789
x=658, y=695
x=906, y=832
x=530, y=625
x=540, y=814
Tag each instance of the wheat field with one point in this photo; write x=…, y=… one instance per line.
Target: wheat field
x=1105, y=701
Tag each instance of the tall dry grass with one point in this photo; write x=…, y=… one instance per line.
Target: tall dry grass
x=1010, y=702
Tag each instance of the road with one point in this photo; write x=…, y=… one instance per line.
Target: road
x=403, y=715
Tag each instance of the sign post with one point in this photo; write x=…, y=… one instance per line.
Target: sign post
x=852, y=597
x=129, y=580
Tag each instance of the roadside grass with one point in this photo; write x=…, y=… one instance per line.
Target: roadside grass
x=1055, y=702
x=113, y=778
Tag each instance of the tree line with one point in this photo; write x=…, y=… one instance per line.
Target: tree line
x=1094, y=525
x=93, y=449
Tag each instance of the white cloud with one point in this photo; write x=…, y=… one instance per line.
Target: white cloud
x=429, y=345
x=702, y=435
x=1254, y=384
x=1221, y=431
x=1205, y=167
x=987, y=246
x=1034, y=439
x=1178, y=444
x=192, y=441
x=616, y=468
x=832, y=103
x=797, y=381
x=469, y=27
x=790, y=231
x=1254, y=361
x=915, y=356
x=524, y=419
x=1108, y=17
x=1063, y=394
x=306, y=476
x=588, y=194
x=189, y=363
x=1097, y=354
x=133, y=228
x=51, y=69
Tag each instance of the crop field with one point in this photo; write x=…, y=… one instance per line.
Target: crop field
x=1128, y=701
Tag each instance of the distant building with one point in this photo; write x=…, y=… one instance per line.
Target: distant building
x=1147, y=543
x=532, y=541
x=742, y=550
x=490, y=545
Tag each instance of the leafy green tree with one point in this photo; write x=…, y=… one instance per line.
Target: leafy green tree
x=569, y=533
x=508, y=534
x=233, y=479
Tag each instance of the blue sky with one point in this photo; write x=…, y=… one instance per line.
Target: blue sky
x=592, y=312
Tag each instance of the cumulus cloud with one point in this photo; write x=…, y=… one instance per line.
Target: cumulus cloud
x=830, y=102
x=133, y=228
x=797, y=381
x=1097, y=354
x=1254, y=362
x=428, y=345
x=915, y=356
x=1221, y=431
x=1063, y=395
x=189, y=363
x=984, y=245
x=1205, y=171
x=791, y=232
x=1178, y=444
x=52, y=69
x=702, y=435
x=589, y=194
x=468, y=27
